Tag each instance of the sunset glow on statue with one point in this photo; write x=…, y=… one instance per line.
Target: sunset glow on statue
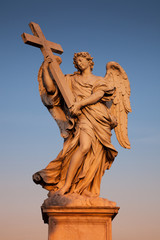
x=86, y=108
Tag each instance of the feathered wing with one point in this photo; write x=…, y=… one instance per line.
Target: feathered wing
x=121, y=104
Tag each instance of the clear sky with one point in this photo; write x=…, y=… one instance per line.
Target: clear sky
x=127, y=32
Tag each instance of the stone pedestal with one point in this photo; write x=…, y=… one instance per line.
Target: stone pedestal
x=79, y=223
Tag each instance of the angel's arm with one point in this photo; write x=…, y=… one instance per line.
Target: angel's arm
x=101, y=89
x=95, y=97
x=47, y=80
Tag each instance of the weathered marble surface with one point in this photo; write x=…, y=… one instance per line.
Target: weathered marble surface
x=76, y=200
x=86, y=108
x=72, y=223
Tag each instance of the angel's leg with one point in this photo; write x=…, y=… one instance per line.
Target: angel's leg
x=76, y=160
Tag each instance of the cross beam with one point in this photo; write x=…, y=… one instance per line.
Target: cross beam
x=38, y=40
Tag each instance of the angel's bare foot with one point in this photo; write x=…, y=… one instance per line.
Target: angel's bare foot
x=88, y=194
x=63, y=190
x=52, y=191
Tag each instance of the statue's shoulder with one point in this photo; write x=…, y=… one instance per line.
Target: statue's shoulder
x=98, y=79
x=101, y=83
x=71, y=76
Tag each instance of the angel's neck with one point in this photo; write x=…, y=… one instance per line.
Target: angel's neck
x=87, y=72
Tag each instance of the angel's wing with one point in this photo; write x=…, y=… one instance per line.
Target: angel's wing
x=121, y=103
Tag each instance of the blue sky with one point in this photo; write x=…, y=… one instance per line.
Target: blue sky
x=123, y=31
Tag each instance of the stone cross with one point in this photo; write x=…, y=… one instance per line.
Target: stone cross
x=38, y=40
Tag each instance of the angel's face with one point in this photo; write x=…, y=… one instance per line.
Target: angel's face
x=82, y=63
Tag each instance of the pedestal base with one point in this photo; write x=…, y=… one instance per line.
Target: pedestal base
x=79, y=223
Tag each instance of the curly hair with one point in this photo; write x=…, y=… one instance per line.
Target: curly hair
x=84, y=55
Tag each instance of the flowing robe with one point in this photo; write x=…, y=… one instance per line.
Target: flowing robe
x=96, y=121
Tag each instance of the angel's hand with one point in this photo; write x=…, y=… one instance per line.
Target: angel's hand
x=46, y=62
x=48, y=59
x=75, y=109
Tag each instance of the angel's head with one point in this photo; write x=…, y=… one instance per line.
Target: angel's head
x=83, y=60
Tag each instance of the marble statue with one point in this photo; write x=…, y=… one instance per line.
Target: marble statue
x=86, y=108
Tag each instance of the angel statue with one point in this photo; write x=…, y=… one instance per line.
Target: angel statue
x=101, y=104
